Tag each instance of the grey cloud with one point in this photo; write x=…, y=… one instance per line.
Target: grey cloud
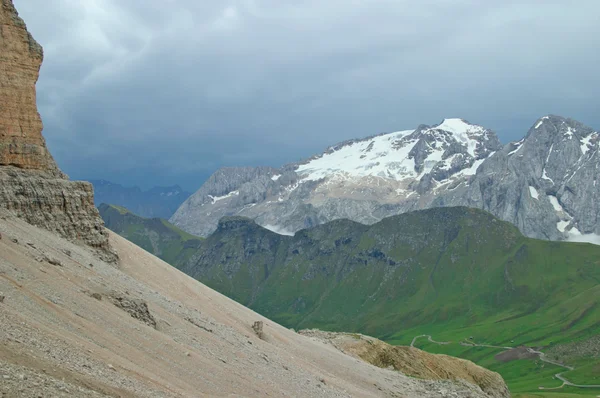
x=167, y=91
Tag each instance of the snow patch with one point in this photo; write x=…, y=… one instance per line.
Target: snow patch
x=562, y=225
x=276, y=177
x=565, y=218
x=471, y=171
x=554, y=201
x=533, y=192
x=218, y=198
x=569, y=133
x=584, y=238
x=541, y=122
x=278, y=230
x=519, y=146
x=544, y=175
x=585, y=143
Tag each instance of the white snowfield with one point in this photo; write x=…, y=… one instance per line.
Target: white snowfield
x=388, y=155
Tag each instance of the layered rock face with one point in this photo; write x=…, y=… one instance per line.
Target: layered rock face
x=544, y=184
x=21, y=141
x=31, y=184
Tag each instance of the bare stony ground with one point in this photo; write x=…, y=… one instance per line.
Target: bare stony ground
x=74, y=326
x=412, y=361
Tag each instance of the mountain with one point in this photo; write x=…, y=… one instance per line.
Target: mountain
x=418, y=269
x=543, y=184
x=85, y=313
x=159, y=202
x=155, y=235
x=31, y=184
x=454, y=273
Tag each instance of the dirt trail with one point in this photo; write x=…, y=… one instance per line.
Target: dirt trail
x=412, y=344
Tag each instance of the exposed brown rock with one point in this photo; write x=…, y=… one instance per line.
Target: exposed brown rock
x=21, y=142
x=31, y=184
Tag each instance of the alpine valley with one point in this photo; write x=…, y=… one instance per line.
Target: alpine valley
x=545, y=184
x=523, y=307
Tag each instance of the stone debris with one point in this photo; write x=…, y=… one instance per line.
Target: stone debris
x=258, y=329
x=137, y=308
x=97, y=296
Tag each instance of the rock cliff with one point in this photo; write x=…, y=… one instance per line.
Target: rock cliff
x=21, y=142
x=31, y=184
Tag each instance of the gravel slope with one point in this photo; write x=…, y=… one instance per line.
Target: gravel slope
x=72, y=325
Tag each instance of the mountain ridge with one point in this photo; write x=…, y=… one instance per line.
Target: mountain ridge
x=453, y=163
x=454, y=273
x=155, y=202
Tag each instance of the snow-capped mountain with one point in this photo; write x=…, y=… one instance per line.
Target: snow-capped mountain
x=545, y=184
x=542, y=183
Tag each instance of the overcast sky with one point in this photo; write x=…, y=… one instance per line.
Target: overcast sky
x=159, y=92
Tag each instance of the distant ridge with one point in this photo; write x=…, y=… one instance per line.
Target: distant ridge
x=159, y=202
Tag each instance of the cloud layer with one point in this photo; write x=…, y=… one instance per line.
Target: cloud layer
x=165, y=91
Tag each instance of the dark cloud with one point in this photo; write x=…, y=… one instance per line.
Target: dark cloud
x=160, y=92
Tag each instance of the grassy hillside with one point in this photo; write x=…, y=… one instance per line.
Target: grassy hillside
x=435, y=270
x=456, y=274
x=155, y=235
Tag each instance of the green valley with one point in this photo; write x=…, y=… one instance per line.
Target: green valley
x=457, y=274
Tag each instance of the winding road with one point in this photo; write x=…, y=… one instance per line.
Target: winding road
x=540, y=354
x=412, y=344
x=559, y=376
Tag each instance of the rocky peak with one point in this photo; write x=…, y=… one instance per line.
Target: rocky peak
x=452, y=145
x=555, y=146
x=32, y=186
x=558, y=128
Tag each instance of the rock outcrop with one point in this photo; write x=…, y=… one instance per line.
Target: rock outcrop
x=412, y=361
x=21, y=142
x=31, y=184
